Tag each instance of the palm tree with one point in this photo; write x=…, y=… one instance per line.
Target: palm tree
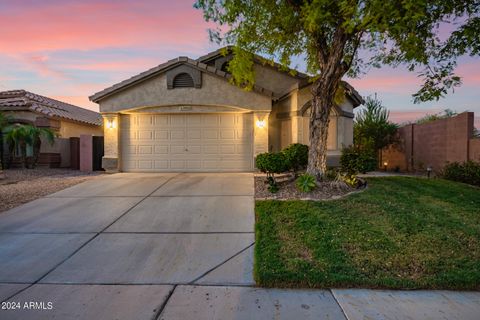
x=4, y=120
x=35, y=135
x=19, y=136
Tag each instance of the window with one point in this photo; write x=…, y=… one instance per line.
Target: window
x=183, y=80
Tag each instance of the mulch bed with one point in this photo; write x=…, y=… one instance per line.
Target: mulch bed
x=288, y=190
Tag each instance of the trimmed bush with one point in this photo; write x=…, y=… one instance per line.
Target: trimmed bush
x=306, y=183
x=296, y=156
x=271, y=163
x=353, y=161
x=467, y=172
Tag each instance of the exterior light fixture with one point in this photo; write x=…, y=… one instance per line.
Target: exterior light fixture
x=385, y=165
x=260, y=123
x=110, y=124
x=429, y=171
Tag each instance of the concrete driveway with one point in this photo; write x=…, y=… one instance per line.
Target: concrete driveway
x=169, y=246
x=127, y=238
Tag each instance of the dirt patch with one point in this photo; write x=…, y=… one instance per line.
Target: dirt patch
x=20, y=186
x=288, y=190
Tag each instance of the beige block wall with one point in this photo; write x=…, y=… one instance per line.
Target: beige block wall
x=214, y=91
x=71, y=129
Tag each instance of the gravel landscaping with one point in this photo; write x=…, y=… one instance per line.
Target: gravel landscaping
x=20, y=186
x=288, y=190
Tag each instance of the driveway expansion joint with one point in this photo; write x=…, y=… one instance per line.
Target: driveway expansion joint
x=96, y=235
x=164, y=304
x=339, y=305
x=221, y=264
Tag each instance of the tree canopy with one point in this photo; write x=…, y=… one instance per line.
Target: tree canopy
x=424, y=35
x=347, y=37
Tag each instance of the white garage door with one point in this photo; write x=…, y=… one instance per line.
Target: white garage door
x=187, y=142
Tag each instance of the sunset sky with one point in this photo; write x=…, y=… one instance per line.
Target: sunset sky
x=69, y=50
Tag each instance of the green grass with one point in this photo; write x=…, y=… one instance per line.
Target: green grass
x=399, y=233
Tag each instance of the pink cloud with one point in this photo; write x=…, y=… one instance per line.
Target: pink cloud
x=394, y=81
x=92, y=25
x=81, y=101
x=40, y=64
x=136, y=64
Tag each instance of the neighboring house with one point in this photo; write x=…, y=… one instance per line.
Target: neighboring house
x=67, y=120
x=185, y=115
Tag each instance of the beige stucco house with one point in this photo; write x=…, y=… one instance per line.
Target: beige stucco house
x=65, y=119
x=185, y=115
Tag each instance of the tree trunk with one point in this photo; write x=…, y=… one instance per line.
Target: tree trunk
x=323, y=91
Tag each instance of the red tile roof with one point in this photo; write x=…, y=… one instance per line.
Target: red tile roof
x=17, y=100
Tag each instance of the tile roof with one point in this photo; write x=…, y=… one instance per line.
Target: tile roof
x=164, y=67
x=259, y=59
x=16, y=100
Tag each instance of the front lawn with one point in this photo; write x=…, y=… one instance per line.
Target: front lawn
x=399, y=233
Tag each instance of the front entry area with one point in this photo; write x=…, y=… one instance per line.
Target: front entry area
x=190, y=142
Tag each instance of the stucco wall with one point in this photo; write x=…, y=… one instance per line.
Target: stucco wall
x=278, y=82
x=26, y=116
x=71, y=129
x=215, y=91
x=305, y=95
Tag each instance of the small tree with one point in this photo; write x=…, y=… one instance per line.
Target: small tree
x=447, y=113
x=19, y=136
x=345, y=38
x=372, y=129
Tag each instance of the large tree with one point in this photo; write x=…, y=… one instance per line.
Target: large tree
x=424, y=35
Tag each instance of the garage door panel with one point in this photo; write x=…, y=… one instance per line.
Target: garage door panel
x=176, y=134
x=145, y=149
x=161, y=135
x=145, y=164
x=187, y=142
x=209, y=120
x=177, y=119
x=209, y=134
x=226, y=149
x=227, y=134
x=162, y=149
x=161, y=120
x=194, y=149
x=212, y=149
x=227, y=120
x=145, y=134
x=177, y=149
x=177, y=164
x=194, y=134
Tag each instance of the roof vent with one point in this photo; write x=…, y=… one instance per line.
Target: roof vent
x=183, y=80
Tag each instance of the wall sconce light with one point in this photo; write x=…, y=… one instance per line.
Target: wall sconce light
x=429, y=171
x=110, y=124
x=260, y=123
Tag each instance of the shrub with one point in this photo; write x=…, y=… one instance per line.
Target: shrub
x=353, y=160
x=349, y=179
x=467, y=172
x=306, y=183
x=271, y=163
x=296, y=156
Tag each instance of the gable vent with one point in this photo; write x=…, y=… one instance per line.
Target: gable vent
x=183, y=80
